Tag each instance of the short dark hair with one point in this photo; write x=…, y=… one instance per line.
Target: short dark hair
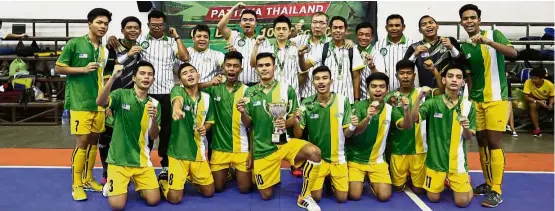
x=395, y=16
x=130, y=19
x=321, y=69
x=282, y=19
x=266, y=55
x=320, y=14
x=377, y=76
x=538, y=72
x=156, y=14
x=202, y=28
x=467, y=7
x=404, y=64
x=184, y=65
x=456, y=65
x=143, y=64
x=99, y=12
x=342, y=19
x=425, y=16
x=363, y=25
x=249, y=11
x=233, y=55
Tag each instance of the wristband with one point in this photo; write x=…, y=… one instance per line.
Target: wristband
x=352, y=127
x=454, y=52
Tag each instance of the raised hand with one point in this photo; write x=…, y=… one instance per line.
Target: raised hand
x=445, y=41
x=260, y=39
x=303, y=50
x=354, y=118
x=152, y=110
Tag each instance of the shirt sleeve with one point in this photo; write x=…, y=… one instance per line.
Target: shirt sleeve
x=551, y=90
x=357, y=61
x=233, y=36
x=304, y=115
x=314, y=56
x=527, y=86
x=220, y=57
x=409, y=53
x=114, y=100
x=67, y=53
x=266, y=47
x=176, y=92
x=174, y=47
x=360, y=111
x=210, y=113
x=397, y=116
x=379, y=62
x=292, y=97
x=425, y=109
x=248, y=106
x=472, y=118
x=209, y=90
x=348, y=111
x=499, y=37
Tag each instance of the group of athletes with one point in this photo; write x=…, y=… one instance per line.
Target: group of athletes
x=343, y=112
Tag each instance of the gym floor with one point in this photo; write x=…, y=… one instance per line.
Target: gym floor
x=35, y=164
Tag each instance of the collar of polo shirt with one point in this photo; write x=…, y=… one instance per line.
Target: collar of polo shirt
x=403, y=40
x=164, y=37
x=88, y=39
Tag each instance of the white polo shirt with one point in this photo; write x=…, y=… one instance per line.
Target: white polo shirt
x=307, y=89
x=162, y=54
x=208, y=62
x=393, y=53
x=244, y=45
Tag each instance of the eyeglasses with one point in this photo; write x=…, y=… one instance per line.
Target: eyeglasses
x=157, y=25
x=318, y=22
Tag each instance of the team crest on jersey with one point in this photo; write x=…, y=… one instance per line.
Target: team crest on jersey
x=145, y=45
x=217, y=98
x=187, y=108
x=338, y=115
x=386, y=122
x=468, y=56
x=383, y=51
x=126, y=106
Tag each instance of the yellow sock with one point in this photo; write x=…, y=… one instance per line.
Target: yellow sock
x=77, y=164
x=485, y=160
x=310, y=174
x=91, y=160
x=497, y=169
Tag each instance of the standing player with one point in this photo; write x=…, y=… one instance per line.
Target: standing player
x=408, y=146
x=450, y=120
x=374, y=61
x=328, y=119
x=126, y=47
x=192, y=118
x=267, y=151
x=485, y=52
x=207, y=61
x=365, y=152
x=230, y=142
x=242, y=42
x=345, y=69
x=83, y=60
x=136, y=119
x=287, y=67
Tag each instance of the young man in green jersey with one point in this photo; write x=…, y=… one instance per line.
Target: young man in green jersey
x=83, y=60
x=408, y=147
x=485, y=51
x=230, y=144
x=192, y=118
x=365, y=151
x=328, y=119
x=268, y=149
x=136, y=120
x=450, y=120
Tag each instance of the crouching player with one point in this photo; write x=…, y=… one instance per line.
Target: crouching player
x=450, y=120
x=136, y=120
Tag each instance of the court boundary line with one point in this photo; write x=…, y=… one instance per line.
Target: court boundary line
x=157, y=168
x=421, y=204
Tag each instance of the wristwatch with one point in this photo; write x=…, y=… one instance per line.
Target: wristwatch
x=177, y=38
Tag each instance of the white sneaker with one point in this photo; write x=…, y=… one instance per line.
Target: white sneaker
x=309, y=204
x=164, y=170
x=515, y=134
x=105, y=190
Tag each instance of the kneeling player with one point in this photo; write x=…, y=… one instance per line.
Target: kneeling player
x=135, y=120
x=328, y=119
x=451, y=122
x=192, y=118
x=230, y=143
x=365, y=152
x=270, y=149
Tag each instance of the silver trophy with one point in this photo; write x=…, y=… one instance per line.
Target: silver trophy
x=277, y=110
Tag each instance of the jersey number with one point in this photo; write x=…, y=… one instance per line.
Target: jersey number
x=259, y=180
x=111, y=185
x=170, y=181
x=76, y=125
x=428, y=181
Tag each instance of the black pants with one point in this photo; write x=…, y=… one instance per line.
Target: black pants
x=165, y=127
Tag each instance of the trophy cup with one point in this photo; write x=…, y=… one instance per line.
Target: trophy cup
x=277, y=110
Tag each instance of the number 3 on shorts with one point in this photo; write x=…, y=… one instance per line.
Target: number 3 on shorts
x=111, y=186
x=259, y=180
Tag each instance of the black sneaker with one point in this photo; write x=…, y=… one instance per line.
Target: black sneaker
x=493, y=199
x=482, y=189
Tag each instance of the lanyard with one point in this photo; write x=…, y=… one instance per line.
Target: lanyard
x=456, y=106
x=280, y=62
x=340, y=69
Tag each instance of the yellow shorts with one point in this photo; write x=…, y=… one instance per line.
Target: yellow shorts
x=377, y=172
x=435, y=181
x=144, y=178
x=267, y=170
x=86, y=122
x=401, y=165
x=491, y=115
x=339, y=176
x=223, y=160
x=178, y=170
